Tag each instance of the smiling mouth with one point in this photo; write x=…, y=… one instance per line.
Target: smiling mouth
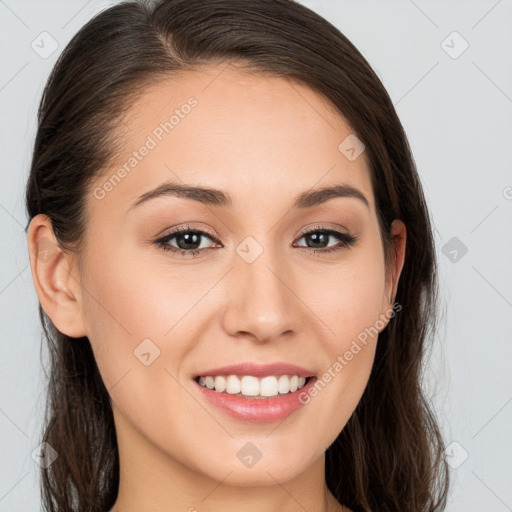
x=248, y=386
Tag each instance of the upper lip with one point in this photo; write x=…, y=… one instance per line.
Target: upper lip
x=258, y=370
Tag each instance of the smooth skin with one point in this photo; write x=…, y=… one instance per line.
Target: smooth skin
x=263, y=140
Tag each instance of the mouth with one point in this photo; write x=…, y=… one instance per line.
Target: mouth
x=249, y=386
x=253, y=392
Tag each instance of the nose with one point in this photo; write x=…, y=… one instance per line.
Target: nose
x=262, y=305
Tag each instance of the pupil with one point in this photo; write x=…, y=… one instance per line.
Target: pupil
x=318, y=238
x=186, y=236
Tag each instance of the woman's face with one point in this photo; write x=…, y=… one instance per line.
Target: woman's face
x=248, y=285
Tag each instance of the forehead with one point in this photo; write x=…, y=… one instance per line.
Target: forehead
x=257, y=135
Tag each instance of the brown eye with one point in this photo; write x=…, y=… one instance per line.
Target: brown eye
x=188, y=241
x=319, y=238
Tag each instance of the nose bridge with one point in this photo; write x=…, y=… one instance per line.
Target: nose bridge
x=261, y=303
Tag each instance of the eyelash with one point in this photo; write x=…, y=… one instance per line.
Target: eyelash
x=345, y=240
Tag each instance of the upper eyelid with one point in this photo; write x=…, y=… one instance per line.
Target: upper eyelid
x=186, y=229
x=328, y=229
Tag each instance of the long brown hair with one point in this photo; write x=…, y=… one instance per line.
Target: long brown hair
x=389, y=456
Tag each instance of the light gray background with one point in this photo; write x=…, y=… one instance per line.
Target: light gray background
x=457, y=113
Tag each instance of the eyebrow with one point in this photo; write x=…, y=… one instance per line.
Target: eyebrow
x=214, y=197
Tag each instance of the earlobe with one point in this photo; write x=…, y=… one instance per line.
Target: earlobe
x=58, y=289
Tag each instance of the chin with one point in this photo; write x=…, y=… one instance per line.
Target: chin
x=272, y=468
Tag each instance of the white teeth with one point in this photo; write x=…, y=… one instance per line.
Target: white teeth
x=220, y=383
x=284, y=384
x=253, y=386
x=232, y=385
x=268, y=386
x=250, y=386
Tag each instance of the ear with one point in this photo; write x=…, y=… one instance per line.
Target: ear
x=396, y=263
x=55, y=279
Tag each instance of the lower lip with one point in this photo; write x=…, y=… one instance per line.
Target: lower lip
x=260, y=410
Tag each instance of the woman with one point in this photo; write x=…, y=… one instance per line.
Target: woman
x=235, y=267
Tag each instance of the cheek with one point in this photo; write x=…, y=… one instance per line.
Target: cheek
x=349, y=299
x=122, y=308
x=351, y=309
x=130, y=295
x=131, y=312
x=142, y=310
